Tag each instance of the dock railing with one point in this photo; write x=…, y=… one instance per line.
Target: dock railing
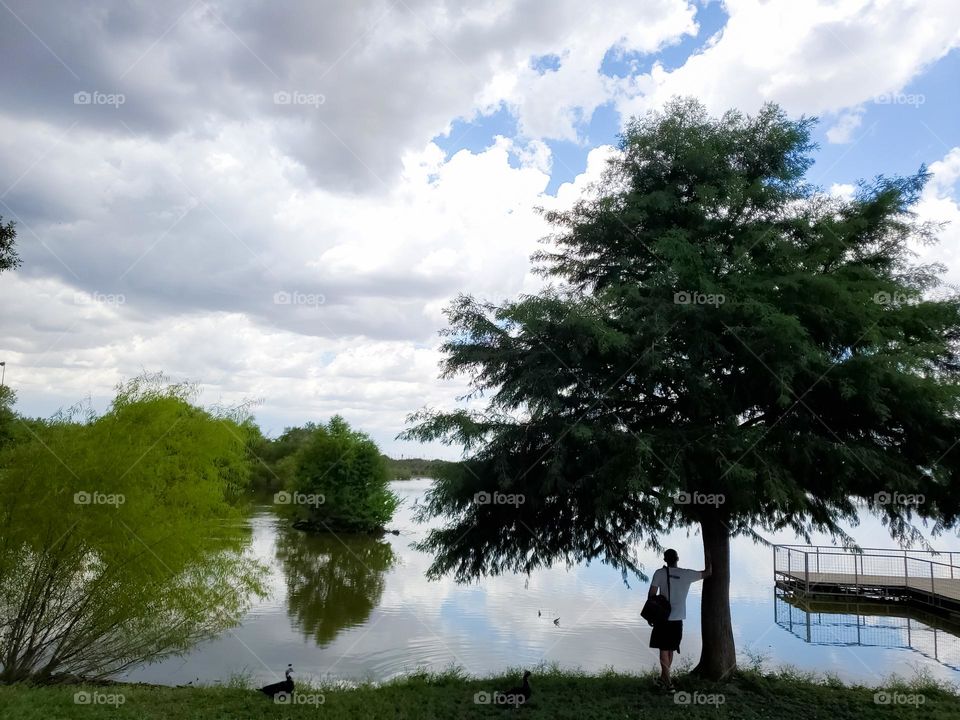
x=928, y=576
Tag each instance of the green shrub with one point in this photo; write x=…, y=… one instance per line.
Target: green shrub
x=339, y=481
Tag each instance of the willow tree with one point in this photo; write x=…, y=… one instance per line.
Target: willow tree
x=723, y=346
x=119, y=539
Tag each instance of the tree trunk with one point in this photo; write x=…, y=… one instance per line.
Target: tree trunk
x=718, y=658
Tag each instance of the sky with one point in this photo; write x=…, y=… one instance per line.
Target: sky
x=277, y=200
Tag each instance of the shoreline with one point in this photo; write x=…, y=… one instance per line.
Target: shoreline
x=782, y=694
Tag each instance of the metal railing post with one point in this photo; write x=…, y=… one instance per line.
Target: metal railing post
x=806, y=570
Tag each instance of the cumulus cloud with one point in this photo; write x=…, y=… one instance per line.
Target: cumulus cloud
x=940, y=203
x=846, y=125
x=344, y=89
x=816, y=57
x=248, y=194
x=260, y=288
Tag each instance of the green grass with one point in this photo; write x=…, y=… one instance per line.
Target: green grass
x=557, y=694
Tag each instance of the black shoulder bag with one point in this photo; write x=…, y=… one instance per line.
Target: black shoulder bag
x=656, y=610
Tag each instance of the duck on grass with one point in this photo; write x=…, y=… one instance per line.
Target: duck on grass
x=285, y=687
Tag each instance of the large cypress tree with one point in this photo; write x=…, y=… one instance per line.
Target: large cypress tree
x=724, y=346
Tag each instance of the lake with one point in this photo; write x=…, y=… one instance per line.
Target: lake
x=362, y=609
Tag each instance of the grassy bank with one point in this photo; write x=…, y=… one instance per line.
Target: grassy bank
x=557, y=694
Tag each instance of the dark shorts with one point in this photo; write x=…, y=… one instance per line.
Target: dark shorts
x=667, y=636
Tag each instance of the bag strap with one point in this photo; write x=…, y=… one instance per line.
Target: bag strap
x=669, y=594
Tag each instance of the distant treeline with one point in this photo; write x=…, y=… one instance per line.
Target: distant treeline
x=275, y=464
x=410, y=468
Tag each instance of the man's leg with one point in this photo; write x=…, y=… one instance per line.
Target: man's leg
x=666, y=660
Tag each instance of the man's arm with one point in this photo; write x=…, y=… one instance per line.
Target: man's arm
x=654, y=587
x=707, y=570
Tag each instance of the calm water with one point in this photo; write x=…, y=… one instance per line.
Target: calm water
x=362, y=609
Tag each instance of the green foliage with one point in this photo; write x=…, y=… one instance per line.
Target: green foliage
x=118, y=542
x=9, y=258
x=828, y=371
x=339, y=481
x=8, y=418
x=273, y=459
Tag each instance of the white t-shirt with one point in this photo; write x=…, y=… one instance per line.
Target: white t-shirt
x=680, y=581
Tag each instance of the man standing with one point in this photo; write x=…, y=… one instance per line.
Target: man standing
x=666, y=636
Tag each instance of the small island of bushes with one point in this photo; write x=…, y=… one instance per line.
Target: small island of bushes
x=327, y=478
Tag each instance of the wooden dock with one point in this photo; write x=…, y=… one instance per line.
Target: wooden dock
x=927, y=579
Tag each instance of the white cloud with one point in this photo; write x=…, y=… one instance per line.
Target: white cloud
x=843, y=190
x=199, y=199
x=940, y=203
x=556, y=103
x=813, y=57
x=344, y=88
x=198, y=301
x=842, y=131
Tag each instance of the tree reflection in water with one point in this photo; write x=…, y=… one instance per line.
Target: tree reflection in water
x=333, y=581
